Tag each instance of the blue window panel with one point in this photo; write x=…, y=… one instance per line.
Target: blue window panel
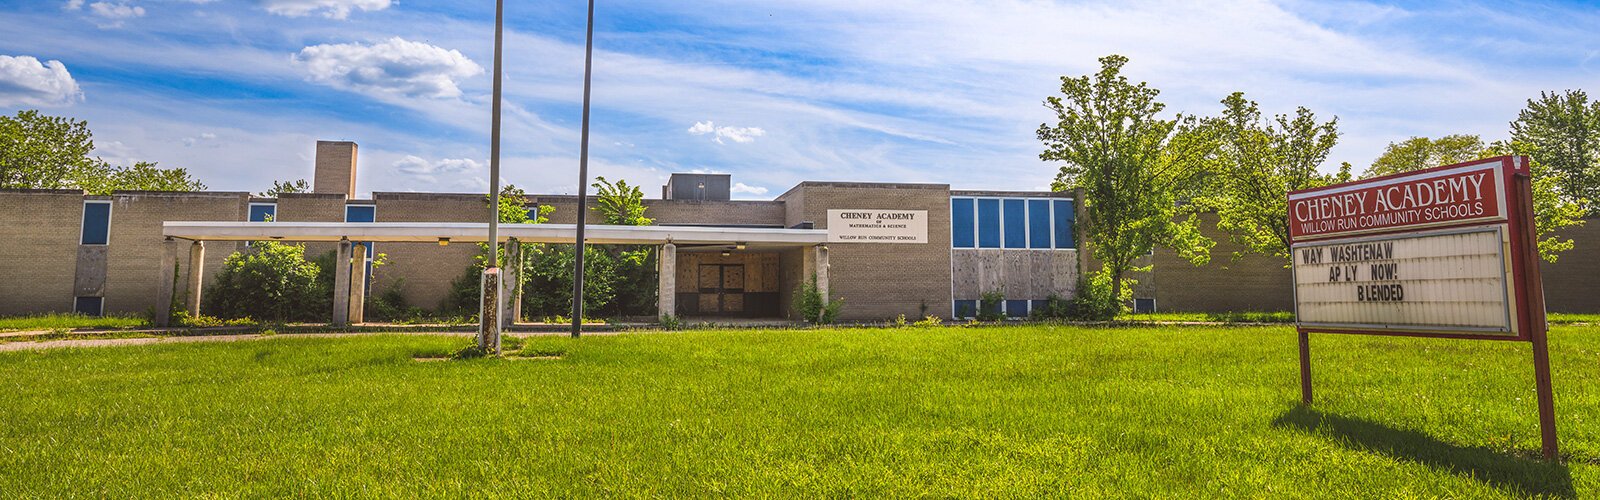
x=533, y=214
x=1038, y=223
x=1016, y=224
x=263, y=213
x=1064, y=220
x=360, y=213
x=961, y=219
x=989, y=223
x=1144, y=306
x=363, y=213
x=1038, y=305
x=89, y=306
x=1016, y=308
x=966, y=309
x=96, y=224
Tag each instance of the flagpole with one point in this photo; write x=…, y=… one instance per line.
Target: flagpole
x=583, y=180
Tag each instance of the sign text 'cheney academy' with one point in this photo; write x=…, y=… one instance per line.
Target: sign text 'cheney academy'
x=1456, y=195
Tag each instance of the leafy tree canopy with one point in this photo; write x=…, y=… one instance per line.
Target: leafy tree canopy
x=1418, y=153
x=620, y=204
x=39, y=151
x=1133, y=168
x=1562, y=132
x=1256, y=163
x=286, y=187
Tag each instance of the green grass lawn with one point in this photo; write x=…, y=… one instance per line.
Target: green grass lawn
x=63, y=321
x=1026, y=411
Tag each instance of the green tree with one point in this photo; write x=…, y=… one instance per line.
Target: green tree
x=635, y=286
x=513, y=209
x=1562, y=132
x=1418, y=153
x=284, y=187
x=1256, y=164
x=44, y=152
x=1552, y=211
x=39, y=151
x=620, y=204
x=1132, y=167
x=142, y=176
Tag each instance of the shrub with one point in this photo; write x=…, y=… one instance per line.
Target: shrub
x=670, y=322
x=1094, y=301
x=809, y=304
x=991, y=307
x=271, y=282
x=928, y=322
x=1055, y=308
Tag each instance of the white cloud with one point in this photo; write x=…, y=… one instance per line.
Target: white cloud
x=742, y=188
x=24, y=81
x=394, y=66
x=416, y=165
x=112, y=15
x=735, y=134
x=332, y=9
x=73, y=5
x=203, y=137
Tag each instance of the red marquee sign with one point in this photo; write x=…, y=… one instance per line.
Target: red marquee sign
x=1444, y=252
x=1436, y=197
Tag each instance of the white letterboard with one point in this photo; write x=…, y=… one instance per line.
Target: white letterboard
x=1452, y=280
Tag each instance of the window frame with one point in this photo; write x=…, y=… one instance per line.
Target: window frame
x=249, y=210
x=83, y=219
x=98, y=314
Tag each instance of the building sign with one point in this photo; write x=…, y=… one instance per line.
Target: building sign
x=1448, y=279
x=1443, y=252
x=1432, y=252
x=1427, y=199
x=877, y=226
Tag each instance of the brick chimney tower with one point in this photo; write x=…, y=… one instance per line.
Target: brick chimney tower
x=336, y=168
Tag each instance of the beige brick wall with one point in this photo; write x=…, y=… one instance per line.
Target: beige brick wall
x=676, y=211
x=39, y=231
x=312, y=207
x=335, y=168
x=882, y=280
x=423, y=271
x=1254, y=282
x=136, y=242
x=1572, y=283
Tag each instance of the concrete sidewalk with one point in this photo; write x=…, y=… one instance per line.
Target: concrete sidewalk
x=178, y=339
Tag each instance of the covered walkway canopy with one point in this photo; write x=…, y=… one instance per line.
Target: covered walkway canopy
x=478, y=232
x=350, y=278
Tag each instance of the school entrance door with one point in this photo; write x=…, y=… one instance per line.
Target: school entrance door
x=722, y=289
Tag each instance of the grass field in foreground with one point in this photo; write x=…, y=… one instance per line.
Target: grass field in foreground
x=1001, y=411
x=63, y=321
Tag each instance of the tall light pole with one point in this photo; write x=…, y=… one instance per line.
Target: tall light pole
x=583, y=175
x=489, y=324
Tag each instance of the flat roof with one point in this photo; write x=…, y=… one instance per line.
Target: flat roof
x=429, y=232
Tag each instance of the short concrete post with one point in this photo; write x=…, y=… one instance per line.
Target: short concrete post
x=166, y=278
x=341, y=285
x=358, y=284
x=822, y=273
x=509, y=306
x=197, y=269
x=667, y=293
x=489, y=311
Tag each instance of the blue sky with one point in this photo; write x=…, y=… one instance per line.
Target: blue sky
x=772, y=92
